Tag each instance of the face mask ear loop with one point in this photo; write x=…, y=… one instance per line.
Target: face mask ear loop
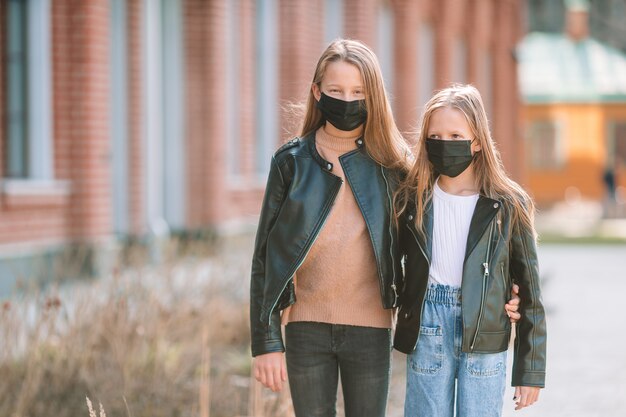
x=476, y=152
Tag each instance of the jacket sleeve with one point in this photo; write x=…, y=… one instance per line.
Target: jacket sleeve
x=265, y=337
x=529, y=363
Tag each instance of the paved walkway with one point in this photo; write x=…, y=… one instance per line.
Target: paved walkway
x=584, y=291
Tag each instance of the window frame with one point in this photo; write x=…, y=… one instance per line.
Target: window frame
x=558, y=147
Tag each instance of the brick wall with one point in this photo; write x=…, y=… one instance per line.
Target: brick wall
x=81, y=99
x=90, y=208
x=301, y=42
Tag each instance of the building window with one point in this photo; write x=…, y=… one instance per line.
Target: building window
x=119, y=119
x=425, y=64
x=385, y=44
x=164, y=110
x=175, y=190
x=267, y=110
x=617, y=147
x=545, y=16
x=29, y=145
x=544, y=144
x=333, y=20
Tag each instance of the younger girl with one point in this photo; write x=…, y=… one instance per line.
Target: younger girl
x=326, y=238
x=466, y=231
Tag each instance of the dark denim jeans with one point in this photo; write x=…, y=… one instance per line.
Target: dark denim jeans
x=318, y=353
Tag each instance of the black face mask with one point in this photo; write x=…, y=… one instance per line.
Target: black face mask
x=449, y=157
x=344, y=115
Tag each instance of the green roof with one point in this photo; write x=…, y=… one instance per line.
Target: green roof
x=577, y=4
x=554, y=68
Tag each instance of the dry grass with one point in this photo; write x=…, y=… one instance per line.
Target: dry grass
x=148, y=341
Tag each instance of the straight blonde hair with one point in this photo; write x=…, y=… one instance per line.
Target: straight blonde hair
x=383, y=140
x=491, y=178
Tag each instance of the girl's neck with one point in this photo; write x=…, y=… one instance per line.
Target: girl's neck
x=463, y=184
x=333, y=131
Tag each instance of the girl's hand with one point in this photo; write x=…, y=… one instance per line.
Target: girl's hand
x=513, y=305
x=270, y=370
x=525, y=396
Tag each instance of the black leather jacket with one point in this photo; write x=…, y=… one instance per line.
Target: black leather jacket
x=497, y=255
x=300, y=192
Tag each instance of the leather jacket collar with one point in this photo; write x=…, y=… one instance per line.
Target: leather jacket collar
x=486, y=209
x=309, y=139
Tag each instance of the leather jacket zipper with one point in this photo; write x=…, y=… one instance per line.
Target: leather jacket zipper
x=418, y=245
x=484, y=289
x=303, y=257
x=393, y=264
x=506, y=287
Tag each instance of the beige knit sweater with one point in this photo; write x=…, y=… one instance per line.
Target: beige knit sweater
x=338, y=282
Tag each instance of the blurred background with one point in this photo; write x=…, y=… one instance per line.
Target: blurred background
x=135, y=140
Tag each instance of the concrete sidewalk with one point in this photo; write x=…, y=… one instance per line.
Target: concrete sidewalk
x=581, y=219
x=583, y=291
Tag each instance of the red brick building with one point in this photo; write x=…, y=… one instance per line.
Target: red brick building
x=142, y=117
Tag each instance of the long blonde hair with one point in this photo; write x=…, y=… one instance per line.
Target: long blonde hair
x=383, y=140
x=491, y=177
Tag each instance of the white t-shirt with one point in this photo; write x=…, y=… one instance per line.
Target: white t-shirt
x=452, y=218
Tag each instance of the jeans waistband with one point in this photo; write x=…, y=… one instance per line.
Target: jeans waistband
x=443, y=294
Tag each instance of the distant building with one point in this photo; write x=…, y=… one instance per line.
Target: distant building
x=574, y=92
x=138, y=118
x=605, y=18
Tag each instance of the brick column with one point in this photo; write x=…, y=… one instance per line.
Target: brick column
x=480, y=18
x=195, y=73
x=450, y=20
x=3, y=139
x=215, y=129
x=406, y=14
x=247, y=81
x=506, y=101
x=301, y=44
x=360, y=20
x=136, y=154
x=480, y=46
x=62, y=86
x=85, y=59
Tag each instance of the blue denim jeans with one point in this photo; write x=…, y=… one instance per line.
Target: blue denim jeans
x=318, y=354
x=438, y=366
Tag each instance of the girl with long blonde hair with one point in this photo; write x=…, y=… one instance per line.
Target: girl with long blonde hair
x=326, y=260
x=467, y=236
